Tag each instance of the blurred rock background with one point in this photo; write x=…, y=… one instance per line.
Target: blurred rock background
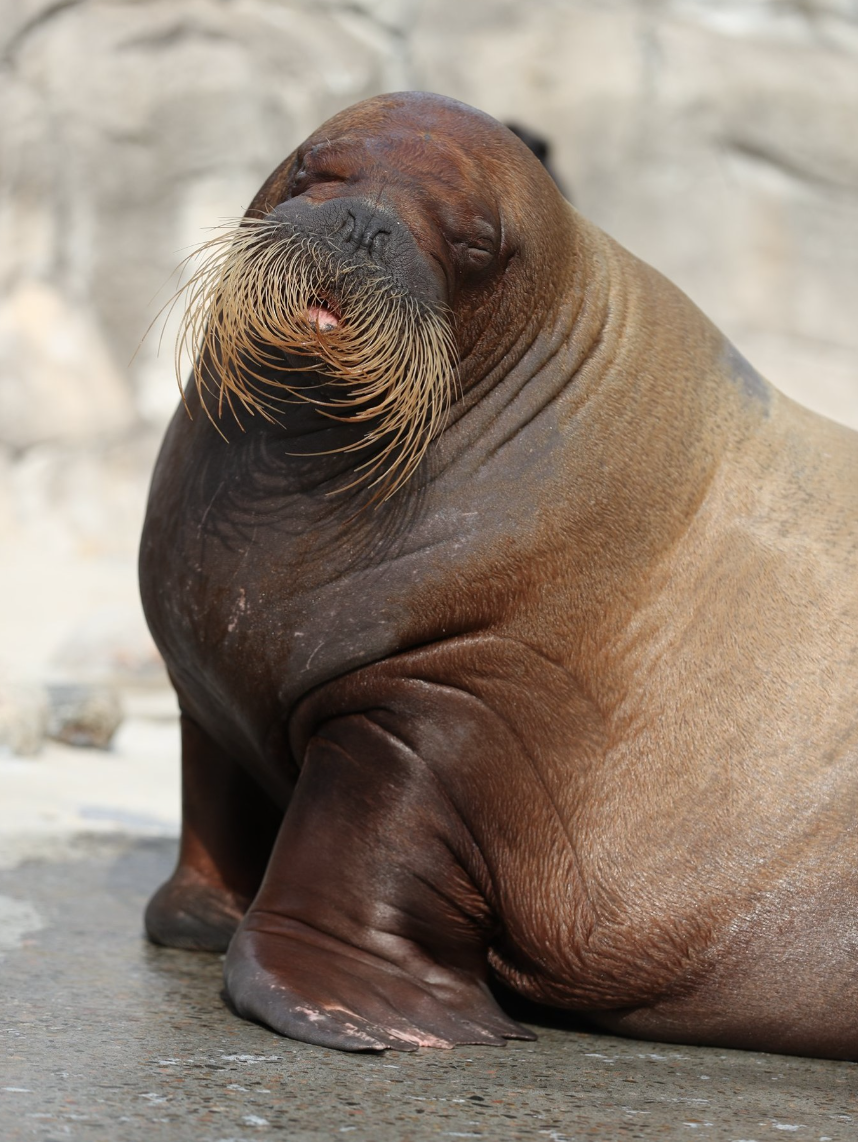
x=717, y=139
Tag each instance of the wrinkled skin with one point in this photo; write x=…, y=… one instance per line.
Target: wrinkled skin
x=578, y=706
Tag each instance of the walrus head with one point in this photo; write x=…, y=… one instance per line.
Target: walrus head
x=355, y=280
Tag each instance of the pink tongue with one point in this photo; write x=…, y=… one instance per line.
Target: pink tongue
x=322, y=318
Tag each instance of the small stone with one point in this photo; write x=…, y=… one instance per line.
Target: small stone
x=83, y=715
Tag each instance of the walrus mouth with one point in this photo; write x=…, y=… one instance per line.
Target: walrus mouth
x=323, y=314
x=267, y=306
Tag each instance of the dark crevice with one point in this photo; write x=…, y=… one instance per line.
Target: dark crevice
x=783, y=165
x=174, y=37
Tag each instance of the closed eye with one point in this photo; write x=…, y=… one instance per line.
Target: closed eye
x=475, y=243
x=478, y=257
x=474, y=255
x=307, y=178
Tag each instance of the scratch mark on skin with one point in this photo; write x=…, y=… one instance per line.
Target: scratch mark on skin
x=311, y=1013
x=245, y=554
x=205, y=514
x=238, y=610
x=313, y=655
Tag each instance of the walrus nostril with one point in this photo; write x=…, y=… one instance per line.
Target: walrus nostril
x=356, y=233
x=364, y=231
x=377, y=244
x=347, y=227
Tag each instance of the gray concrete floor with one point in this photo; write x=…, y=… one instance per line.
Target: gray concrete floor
x=107, y=1037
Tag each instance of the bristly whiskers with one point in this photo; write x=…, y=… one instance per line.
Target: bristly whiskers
x=267, y=304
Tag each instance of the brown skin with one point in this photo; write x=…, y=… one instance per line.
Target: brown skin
x=578, y=706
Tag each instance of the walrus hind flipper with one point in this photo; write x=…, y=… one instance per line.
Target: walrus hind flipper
x=186, y=912
x=228, y=828
x=308, y=986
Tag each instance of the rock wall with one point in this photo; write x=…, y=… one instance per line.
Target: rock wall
x=715, y=138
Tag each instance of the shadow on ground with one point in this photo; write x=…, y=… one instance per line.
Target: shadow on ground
x=107, y=1037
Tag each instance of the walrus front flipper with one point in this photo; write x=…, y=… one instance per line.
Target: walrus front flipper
x=368, y=932
x=228, y=828
x=315, y=988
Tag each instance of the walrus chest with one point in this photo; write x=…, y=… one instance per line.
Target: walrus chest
x=260, y=585
x=245, y=635
x=254, y=600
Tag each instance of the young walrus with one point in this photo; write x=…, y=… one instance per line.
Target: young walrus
x=513, y=618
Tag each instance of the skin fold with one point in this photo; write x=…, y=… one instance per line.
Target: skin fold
x=575, y=704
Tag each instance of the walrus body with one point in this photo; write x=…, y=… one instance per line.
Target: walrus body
x=570, y=697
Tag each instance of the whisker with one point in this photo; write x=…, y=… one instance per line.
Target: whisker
x=388, y=364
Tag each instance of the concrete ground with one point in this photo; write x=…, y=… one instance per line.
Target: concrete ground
x=107, y=1037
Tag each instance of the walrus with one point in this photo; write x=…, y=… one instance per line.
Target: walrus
x=513, y=618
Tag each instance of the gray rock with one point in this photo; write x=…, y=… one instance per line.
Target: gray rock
x=79, y=714
x=83, y=715
x=129, y=128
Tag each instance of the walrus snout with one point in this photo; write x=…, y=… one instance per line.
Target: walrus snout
x=368, y=235
x=334, y=304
